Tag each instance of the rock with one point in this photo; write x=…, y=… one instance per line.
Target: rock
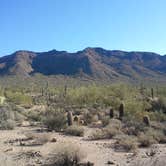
x=53, y=140
x=25, y=124
x=86, y=164
x=110, y=163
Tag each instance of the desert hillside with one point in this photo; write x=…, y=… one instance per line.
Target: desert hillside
x=96, y=63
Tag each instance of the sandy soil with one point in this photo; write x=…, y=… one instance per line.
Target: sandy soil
x=98, y=152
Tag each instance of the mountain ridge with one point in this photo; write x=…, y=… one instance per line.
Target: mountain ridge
x=94, y=62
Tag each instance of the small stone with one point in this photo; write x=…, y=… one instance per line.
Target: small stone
x=53, y=140
x=110, y=163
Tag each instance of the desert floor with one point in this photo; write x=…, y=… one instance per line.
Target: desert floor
x=23, y=153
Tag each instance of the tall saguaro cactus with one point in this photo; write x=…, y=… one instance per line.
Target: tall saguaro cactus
x=65, y=91
x=121, y=111
x=152, y=93
x=111, y=113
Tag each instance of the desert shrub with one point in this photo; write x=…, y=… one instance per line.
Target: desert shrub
x=146, y=140
x=125, y=143
x=19, y=98
x=7, y=125
x=34, y=115
x=152, y=136
x=157, y=134
x=111, y=131
x=115, y=123
x=88, y=117
x=133, y=126
x=105, y=120
x=55, y=119
x=18, y=117
x=97, y=134
x=158, y=116
x=65, y=155
x=75, y=130
x=106, y=133
x=135, y=109
x=7, y=118
x=160, y=104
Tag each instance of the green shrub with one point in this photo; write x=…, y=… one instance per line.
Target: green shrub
x=19, y=98
x=55, y=119
x=75, y=130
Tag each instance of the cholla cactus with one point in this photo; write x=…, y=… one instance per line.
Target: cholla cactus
x=146, y=120
x=70, y=118
x=111, y=113
x=121, y=111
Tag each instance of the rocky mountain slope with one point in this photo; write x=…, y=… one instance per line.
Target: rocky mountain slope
x=91, y=62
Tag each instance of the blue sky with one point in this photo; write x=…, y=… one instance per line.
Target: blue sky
x=42, y=25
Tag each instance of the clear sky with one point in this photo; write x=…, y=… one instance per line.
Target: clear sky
x=42, y=25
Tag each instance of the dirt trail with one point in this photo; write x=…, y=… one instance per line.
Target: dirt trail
x=98, y=152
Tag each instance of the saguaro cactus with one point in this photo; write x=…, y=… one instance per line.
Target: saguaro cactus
x=121, y=111
x=111, y=113
x=65, y=91
x=146, y=120
x=152, y=93
x=70, y=118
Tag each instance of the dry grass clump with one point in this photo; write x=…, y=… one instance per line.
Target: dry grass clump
x=97, y=134
x=75, y=130
x=112, y=129
x=126, y=143
x=108, y=132
x=146, y=140
x=39, y=138
x=65, y=155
